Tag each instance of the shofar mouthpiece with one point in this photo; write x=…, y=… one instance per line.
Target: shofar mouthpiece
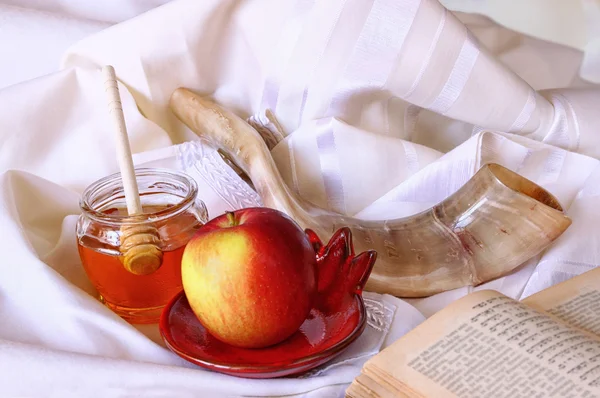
x=140, y=253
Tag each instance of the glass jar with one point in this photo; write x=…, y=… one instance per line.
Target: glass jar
x=171, y=209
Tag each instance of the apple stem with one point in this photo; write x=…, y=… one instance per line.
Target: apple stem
x=231, y=218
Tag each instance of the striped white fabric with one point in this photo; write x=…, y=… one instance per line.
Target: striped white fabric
x=388, y=106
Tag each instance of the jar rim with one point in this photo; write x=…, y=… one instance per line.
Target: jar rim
x=105, y=183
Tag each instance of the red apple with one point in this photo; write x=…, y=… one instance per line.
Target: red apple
x=250, y=277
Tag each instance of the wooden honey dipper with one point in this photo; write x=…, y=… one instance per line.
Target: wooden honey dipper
x=140, y=252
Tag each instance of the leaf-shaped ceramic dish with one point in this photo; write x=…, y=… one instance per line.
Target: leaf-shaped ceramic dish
x=336, y=320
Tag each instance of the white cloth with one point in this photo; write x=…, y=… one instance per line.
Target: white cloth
x=359, y=73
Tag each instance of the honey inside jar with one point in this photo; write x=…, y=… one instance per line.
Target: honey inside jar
x=174, y=212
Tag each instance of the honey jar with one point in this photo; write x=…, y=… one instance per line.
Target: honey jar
x=171, y=207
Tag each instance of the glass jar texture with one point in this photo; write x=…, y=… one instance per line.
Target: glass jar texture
x=171, y=206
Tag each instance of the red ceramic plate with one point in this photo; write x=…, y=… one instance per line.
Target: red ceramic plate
x=337, y=319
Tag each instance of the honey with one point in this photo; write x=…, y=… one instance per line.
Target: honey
x=174, y=212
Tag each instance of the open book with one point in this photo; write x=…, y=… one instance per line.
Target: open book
x=489, y=345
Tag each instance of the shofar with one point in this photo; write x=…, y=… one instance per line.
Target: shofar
x=490, y=226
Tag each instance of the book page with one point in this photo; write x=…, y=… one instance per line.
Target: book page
x=575, y=301
x=489, y=345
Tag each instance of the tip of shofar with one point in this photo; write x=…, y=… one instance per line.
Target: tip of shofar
x=183, y=98
x=180, y=99
x=204, y=116
x=180, y=94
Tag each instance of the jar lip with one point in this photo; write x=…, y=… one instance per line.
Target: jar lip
x=163, y=174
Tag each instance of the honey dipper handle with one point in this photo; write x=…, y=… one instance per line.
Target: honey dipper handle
x=115, y=110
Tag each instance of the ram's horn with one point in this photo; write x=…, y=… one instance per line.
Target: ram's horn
x=486, y=229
